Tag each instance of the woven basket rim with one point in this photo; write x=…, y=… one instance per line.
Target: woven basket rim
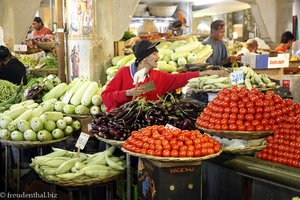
x=28, y=144
x=245, y=150
x=110, y=141
x=246, y=135
x=172, y=159
x=82, y=182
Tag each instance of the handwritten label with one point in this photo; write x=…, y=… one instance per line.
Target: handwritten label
x=82, y=140
x=67, y=97
x=169, y=126
x=89, y=127
x=237, y=77
x=20, y=47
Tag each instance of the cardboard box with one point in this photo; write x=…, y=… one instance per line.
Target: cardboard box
x=265, y=61
x=280, y=61
x=292, y=82
x=168, y=181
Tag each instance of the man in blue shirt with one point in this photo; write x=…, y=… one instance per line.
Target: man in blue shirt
x=219, y=55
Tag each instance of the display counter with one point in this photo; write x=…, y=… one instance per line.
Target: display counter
x=244, y=177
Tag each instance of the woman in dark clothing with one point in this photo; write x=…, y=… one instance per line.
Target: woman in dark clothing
x=11, y=69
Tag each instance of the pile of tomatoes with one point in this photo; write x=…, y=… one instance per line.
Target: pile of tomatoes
x=243, y=110
x=284, y=146
x=160, y=141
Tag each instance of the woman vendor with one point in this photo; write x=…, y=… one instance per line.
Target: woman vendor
x=121, y=89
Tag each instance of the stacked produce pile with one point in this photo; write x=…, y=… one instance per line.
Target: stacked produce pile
x=243, y=110
x=172, y=55
x=62, y=165
x=80, y=97
x=284, y=146
x=37, y=87
x=49, y=62
x=28, y=61
x=9, y=94
x=29, y=121
x=160, y=141
x=251, y=80
x=120, y=122
x=7, y=89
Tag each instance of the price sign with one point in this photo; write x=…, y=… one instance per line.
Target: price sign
x=82, y=140
x=67, y=97
x=169, y=126
x=237, y=77
x=20, y=47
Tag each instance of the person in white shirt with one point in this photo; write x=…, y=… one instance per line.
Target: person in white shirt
x=251, y=47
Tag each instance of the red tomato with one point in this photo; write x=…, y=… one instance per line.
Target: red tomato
x=238, y=122
x=247, y=123
x=143, y=151
x=249, y=104
x=197, y=153
x=157, y=152
x=234, y=97
x=166, y=153
x=259, y=103
x=259, y=127
x=231, y=121
x=233, y=116
x=233, y=104
x=225, y=115
x=249, y=117
x=181, y=137
x=182, y=153
x=241, y=127
x=225, y=127
x=188, y=142
x=242, y=110
x=150, y=152
x=157, y=142
x=203, y=152
x=246, y=100
x=233, y=127
x=258, y=116
x=251, y=110
x=255, y=122
x=217, y=148
x=190, y=153
x=250, y=128
x=234, y=110
x=259, y=110
x=241, y=116
x=227, y=110
x=266, y=115
x=266, y=109
x=268, y=127
x=224, y=121
x=241, y=104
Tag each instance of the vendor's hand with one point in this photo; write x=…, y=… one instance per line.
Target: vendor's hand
x=139, y=92
x=233, y=58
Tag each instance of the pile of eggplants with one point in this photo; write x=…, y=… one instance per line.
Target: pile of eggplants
x=120, y=122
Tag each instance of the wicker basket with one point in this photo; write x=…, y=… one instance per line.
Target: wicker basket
x=246, y=135
x=162, y=10
x=30, y=144
x=250, y=150
x=109, y=141
x=172, y=159
x=46, y=45
x=44, y=72
x=81, y=182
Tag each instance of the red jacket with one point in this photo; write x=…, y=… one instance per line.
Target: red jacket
x=114, y=94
